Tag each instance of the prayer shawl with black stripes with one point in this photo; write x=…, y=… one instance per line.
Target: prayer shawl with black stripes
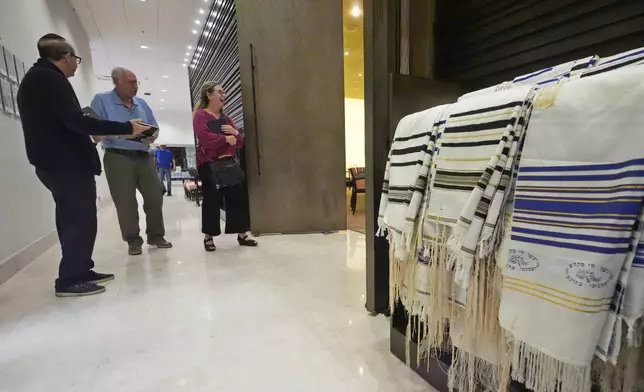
x=475, y=136
x=579, y=192
x=406, y=176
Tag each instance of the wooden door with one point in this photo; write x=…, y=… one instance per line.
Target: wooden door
x=291, y=57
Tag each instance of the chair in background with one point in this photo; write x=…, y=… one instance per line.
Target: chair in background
x=192, y=187
x=357, y=186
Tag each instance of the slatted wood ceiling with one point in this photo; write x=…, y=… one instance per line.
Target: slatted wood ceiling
x=484, y=42
x=218, y=58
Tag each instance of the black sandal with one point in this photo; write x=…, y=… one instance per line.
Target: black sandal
x=245, y=241
x=209, y=245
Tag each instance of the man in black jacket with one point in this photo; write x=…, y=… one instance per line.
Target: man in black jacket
x=58, y=144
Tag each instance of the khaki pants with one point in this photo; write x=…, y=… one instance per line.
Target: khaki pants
x=125, y=174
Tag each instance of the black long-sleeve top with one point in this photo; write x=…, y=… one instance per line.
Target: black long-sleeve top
x=57, y=133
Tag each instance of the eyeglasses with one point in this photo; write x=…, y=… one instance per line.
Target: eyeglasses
x=78, y=59
x=133, y=82
x=222, y=92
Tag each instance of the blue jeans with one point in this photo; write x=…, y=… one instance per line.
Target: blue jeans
x=165, y=174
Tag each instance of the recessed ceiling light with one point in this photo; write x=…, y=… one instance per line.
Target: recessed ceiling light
x=200, y=49
x=187, y=53
x=197, y=21
x=359, y=74
x=201, y=11
x=192, y=65
x=189, y=46
x=194, y=31
x=163, y=91
x=356, y=11
x=165, y=76
x=185, y=59
x=162, y=100
x=346, y=53
x=160, y=108
x=185, y=65
x=143, y=47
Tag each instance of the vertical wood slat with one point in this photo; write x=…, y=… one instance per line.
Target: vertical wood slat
x=216, y=57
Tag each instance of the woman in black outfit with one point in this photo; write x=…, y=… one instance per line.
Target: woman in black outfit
x=214, y=146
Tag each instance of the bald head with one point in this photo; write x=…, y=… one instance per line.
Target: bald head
x=125, y=83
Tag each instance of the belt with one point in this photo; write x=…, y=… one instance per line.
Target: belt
x=129, y=153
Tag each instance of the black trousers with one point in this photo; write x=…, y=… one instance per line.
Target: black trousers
x=234, y=200
x=74, y=193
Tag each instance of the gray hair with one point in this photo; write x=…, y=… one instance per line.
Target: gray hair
x=117, y=72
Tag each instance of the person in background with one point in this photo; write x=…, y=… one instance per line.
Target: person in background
x=129, y=166
x=165, y=166
x=58, y=144
x=215, y=146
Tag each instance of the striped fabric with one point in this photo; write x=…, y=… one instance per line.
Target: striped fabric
x=609, y=345
x=632, y=311
x=474, y=137
x=554, y=75
x=541, y=78
x=632, y=57
x=478, y=233
x=406, y=175
x=579, y=192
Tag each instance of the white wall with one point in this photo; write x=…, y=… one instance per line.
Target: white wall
x=175, y=128
x=26, y=207
x=354, y=132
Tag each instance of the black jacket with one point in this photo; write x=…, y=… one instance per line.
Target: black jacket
x=57, y=133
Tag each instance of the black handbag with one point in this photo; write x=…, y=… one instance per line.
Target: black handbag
x=226, y=172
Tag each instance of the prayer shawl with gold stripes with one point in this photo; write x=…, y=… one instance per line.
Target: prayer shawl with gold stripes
x=478, y=133
x=579, y=192
x=406, y=175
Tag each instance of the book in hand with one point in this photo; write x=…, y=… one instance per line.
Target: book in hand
x=145, y=134
x=89, y=112
x=215, y=125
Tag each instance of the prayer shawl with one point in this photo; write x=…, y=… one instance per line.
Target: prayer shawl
x=544, y=77
x=579, y=191
x=406, y=175
x=606, y=64
x=473, y=141
x=554, y=75
x=477, y=233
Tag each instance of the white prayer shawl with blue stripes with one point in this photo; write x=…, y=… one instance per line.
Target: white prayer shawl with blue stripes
x=579, y=191
x=541, y=78
x=607, y=64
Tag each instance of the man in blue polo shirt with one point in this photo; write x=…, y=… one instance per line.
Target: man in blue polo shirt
x=128, y=164
x=165, y=163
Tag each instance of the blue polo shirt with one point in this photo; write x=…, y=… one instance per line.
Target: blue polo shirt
x=109, y=106
x=164, y=158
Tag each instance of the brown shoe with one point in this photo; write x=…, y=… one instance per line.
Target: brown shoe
x=134, y=249
x=161, y=243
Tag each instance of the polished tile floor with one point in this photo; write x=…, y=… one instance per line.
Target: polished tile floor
x=288, y=316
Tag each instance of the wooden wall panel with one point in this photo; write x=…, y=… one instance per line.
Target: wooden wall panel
x=484, y=42
x=294, y=113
